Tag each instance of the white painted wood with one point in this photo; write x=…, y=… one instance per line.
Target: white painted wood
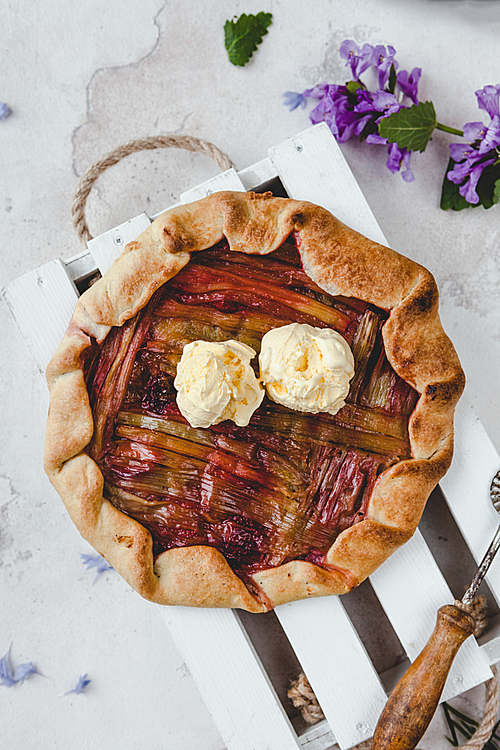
x=42, y=303
x=336, y=664
x=411, y=588
x=231, y=678
x=491, y=650
x=258, y=174
x=80, y=266
x=311, y=167
x=109, y=245
x=228, y=180
x=317, y=737
x=466, y=487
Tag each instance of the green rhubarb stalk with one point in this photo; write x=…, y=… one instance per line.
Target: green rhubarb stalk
x=364, y=418
x=362, y=347
x=170, y=427
x=211, y=281
x=303, y=428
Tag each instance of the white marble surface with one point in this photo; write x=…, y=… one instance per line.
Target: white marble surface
x=81, y=78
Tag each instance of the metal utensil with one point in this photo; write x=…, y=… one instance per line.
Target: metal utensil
x=414, y=700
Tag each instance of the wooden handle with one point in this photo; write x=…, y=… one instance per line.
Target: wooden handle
x=415, y=698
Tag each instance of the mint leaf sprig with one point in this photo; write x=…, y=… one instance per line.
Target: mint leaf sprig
x=243, y=35
x=393, y=116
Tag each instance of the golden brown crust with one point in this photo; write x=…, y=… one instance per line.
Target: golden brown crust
x=339, y=260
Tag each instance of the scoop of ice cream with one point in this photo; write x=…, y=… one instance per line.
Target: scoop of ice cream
x=215, y=381
x=306, y=368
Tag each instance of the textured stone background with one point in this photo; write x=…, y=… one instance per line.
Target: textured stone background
x=82, y=78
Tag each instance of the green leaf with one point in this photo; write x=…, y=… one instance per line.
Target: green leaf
x=393, y=79
x=496, y=192
x=487, y=186
x=450, y=197
x=353, y=86
x=242, y=36
x=411, y=127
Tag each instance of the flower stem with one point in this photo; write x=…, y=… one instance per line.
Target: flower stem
x=447, y=129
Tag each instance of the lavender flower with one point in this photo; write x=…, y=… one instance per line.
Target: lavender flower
x=469, y=165
x=10, y=675
x=80, y=685
x=408, y=83
x=399, y=158
x=294, y=100
x=359, y=59
x=98, y=562
x=384, y=60
x=353, y=110
x=471, y=160
x=488, y=99
x=5, y=110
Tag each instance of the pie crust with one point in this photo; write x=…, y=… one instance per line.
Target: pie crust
x=340, y=261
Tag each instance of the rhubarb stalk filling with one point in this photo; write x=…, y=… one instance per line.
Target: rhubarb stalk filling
x=289, y=483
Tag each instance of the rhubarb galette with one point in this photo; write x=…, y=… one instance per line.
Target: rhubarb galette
x=294, y=504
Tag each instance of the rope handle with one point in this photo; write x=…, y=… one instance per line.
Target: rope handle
x=188, y=142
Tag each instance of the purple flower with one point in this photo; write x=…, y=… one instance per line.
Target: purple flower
x=317, y=92
x=491, y=138
x=294, y=100
x=80, y=685
x=331, y=108
x=10, y=675
x=470, y=160
x=474, y=131
x=379, y=101
x=98, y=562
x=5, y=110
x=353, y=110
x=383, y=60
x=469, y=165
x=408, y=83
x=399, y=159
x=359, y=59
x=488, y=99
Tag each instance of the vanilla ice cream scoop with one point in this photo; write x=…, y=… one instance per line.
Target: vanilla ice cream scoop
x=306, y=368
x=215, y=381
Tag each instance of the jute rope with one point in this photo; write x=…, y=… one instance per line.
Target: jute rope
x=302, y=695
x=141, y=144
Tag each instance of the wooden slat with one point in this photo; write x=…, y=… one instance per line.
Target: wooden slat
x=411, y=588
x=231, y=678
x=80, y=266
x=336, y=663
x=258, y=174
x=317, y=737
x=109, y=245
x=466, y=487
x=228, y=180
x=312, y=168
x=42, y=303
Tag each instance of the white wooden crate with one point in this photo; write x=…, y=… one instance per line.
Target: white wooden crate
x=410, y=586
